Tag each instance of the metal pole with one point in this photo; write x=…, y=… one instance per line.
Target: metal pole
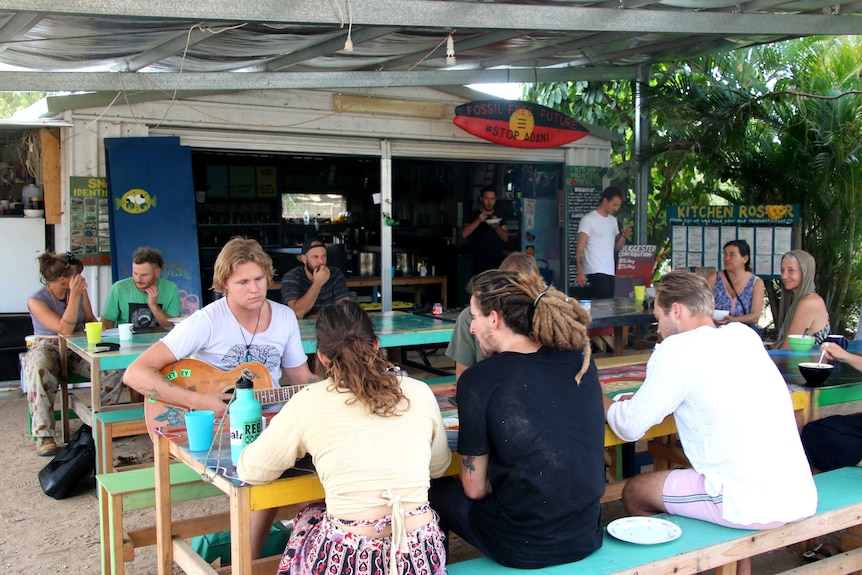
x=386, y=208
x=643, y=184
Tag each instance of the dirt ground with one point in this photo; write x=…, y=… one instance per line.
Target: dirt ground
x=42, y=536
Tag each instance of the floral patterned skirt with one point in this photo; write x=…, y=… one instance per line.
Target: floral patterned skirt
x=317, y=546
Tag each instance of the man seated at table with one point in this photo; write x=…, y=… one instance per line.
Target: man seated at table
x=734, y=416
x=308, y=288
x=145, y=299
x=464, y=348
x=531, y=434
x=835, y=441
x=240, y=327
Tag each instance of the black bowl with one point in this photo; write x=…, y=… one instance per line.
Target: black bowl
x=815, y=373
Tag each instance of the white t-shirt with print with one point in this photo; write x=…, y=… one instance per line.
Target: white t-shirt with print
x=213, y=335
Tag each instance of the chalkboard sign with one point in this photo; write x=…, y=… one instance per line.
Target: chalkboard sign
x=583, y=192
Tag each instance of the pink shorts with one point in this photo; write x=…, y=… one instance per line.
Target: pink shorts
x=684, y=494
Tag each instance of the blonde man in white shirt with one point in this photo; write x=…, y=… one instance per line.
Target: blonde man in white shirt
x=734, y=416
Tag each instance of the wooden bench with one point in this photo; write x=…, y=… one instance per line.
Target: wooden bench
x=705, y=546
x=110, y=424
x=135, y=489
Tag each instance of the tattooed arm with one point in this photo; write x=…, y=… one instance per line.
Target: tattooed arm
x=474, y=476
x=144, y=375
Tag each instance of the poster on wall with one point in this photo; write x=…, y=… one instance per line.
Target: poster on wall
x=583, y=192
x=152, y=204
x=90, y=228
x=699, y=233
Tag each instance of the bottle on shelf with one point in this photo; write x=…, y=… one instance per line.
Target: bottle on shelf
x=246, y=418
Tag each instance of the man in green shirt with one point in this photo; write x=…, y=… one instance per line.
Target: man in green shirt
x=145, y=299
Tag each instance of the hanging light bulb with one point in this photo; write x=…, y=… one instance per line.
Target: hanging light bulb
x=450, y=51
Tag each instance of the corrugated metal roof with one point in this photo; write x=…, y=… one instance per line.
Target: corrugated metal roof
x=222, y=45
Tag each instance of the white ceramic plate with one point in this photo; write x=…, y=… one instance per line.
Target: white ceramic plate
x=492, y=221
x=644, y=530
x=175, y=320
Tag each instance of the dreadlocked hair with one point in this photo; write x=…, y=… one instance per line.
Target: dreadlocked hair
x=533, y=309
x=345, y=335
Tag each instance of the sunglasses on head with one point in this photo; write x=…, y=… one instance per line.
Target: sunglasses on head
x=70, y=260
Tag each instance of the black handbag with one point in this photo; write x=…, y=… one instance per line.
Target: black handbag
x=70, y=467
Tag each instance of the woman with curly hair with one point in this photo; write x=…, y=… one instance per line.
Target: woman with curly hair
x=376, y=438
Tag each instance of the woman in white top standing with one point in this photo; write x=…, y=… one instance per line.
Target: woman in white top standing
x=377, y=438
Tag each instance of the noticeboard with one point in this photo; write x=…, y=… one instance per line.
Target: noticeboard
x=583, y=192
x=90, y=228
x=698, y=234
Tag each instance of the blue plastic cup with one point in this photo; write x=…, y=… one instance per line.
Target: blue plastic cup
x=199, y=425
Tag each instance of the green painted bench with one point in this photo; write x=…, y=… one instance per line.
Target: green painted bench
x=705, y=546
x=108, y=425
x=136, y=489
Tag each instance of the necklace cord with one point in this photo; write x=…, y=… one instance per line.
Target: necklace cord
x=253, y=335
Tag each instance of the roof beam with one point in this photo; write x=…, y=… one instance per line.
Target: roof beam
x=556, y=48
x=220, y=81
x=17, y=25
x=461, y=45
x=457, y=15
x=327, y=46
x=178, y=43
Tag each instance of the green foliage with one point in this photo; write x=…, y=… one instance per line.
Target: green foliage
x=774, y=124
x=11, y=102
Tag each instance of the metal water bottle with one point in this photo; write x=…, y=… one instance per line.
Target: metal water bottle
x=246, y=418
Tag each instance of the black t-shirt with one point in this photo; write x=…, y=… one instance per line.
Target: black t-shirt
x=544, y=435
x=485, y=245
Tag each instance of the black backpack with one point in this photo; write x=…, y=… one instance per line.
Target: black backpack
x=70, y=467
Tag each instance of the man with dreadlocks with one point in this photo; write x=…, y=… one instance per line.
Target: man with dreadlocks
x=531, y=434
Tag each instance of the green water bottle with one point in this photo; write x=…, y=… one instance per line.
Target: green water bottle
x=246, y=418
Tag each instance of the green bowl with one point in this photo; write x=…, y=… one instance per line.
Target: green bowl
x=800, y=343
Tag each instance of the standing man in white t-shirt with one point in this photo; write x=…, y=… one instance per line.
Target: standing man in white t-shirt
x=599, y=239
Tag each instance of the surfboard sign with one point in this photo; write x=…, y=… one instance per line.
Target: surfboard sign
x=518, y=124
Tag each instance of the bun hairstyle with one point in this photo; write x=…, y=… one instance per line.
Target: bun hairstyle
x=54, y=266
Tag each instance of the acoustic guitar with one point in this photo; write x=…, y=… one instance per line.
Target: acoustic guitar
x=200, y=376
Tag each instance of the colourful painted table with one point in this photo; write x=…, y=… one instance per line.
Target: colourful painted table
x=98, y=361
x=394, y=329
x=844, y=384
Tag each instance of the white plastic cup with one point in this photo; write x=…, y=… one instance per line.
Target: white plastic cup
x=125, y=330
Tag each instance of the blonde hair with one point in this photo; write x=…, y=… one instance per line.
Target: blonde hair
x=239, y=251
x=686, y=288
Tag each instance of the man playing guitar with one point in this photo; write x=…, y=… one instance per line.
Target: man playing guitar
x=241, y=327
